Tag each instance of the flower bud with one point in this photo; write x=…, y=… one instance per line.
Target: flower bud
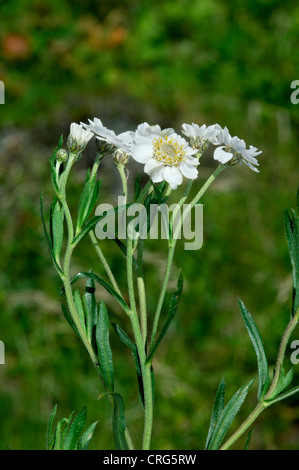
x=62, y=155
x=78, y=138
x=120, y=157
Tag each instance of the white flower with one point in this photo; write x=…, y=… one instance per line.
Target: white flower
x=122, y=141
x=78, y=138
x=147, y=130
x=233, y=150
x=200, y=137
x=165, y=156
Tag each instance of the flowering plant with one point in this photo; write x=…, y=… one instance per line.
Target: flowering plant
x=168, y=160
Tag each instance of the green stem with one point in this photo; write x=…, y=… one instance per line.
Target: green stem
x=263, y=404
x=199, y=195
x=245, y=426
x=123, y=177
x=68, y=288
x=145, y=191
x=141, y=292
x=171, y=249
x=172, y=243
x=281, y=354
x=104, y=262
x=145, y=368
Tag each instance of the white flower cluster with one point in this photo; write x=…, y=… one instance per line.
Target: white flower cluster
x=166, y=155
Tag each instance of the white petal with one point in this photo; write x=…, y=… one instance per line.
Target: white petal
x=173, y=176
x=188, y=171
x=151, y=164
x=157, y=174
x=251, y=166
x=142, y=152
x=222, y=156
x=192, y=160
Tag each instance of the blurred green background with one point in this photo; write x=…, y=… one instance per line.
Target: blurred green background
x=167, y=62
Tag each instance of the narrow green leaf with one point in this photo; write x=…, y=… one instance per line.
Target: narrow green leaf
x=247, y=442
x=217, y=410
x=52, y=165
x=79, y=307
x=87, y=436
x=87, y=228
x=57, y=437
x=50, y=436
x=227, y=416
x=119, y=422
x=170, y=316
x=91, y=275
x=289, y=237
x=159, y=194
x=104, y=349
x=69, y=319
x=87, y=200
x=125, y=338
x=295, y=223
x=132, y=346
x=283, y=396
x=90, y=307
x=137, y=187
x=288, y=378
x=92, y=223
x=56, y=228
x=73, y=435
x=283, y=382
x=256, y=340
x=58, y=268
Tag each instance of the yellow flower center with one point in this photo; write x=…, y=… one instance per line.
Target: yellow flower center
x=168, y=151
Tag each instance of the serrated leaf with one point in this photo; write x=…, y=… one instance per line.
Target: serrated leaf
x=170, y=316
x=49, y=435
x=217, y=410
x=104, y=349
x=75, y=430
x=108, y=287
x=254, y=334
x=227, y=416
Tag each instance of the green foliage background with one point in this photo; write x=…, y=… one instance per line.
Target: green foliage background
x=168, y=62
